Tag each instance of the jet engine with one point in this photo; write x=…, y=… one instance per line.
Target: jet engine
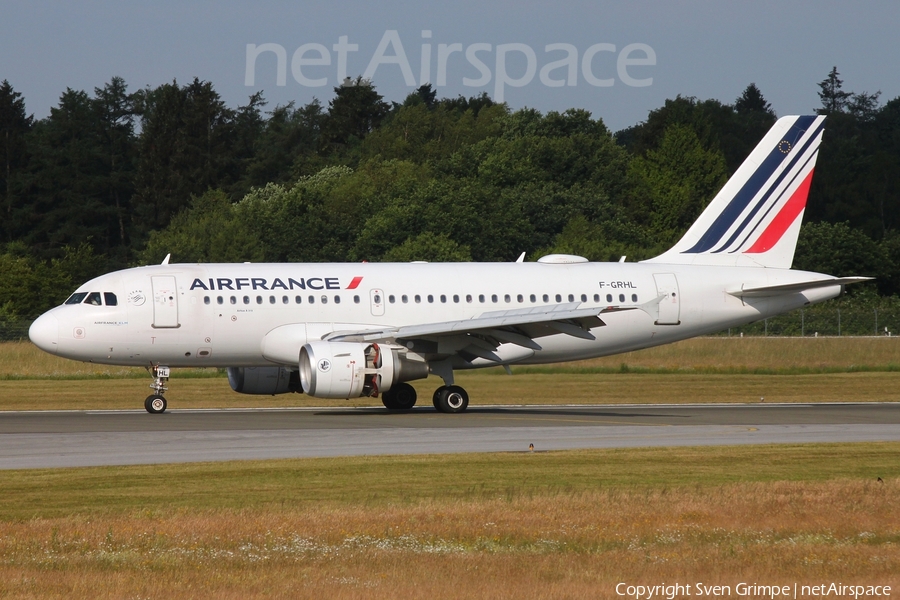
x=263, y=380
x=353, y=370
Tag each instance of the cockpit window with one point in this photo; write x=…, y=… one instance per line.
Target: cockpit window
x=110, y=299
x=76, y=298
x=93, y=298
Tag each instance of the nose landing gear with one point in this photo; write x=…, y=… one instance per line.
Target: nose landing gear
x=156, y=402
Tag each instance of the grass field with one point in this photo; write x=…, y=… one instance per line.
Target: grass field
x=699, y=370
x=531, y=525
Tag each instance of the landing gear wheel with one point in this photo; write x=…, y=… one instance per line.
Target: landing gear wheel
x=155, y=404
x=451, y=399
x=400, y=397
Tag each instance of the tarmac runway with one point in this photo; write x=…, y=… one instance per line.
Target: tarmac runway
x=94, y=438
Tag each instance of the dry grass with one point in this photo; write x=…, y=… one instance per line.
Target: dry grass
x=565, y=546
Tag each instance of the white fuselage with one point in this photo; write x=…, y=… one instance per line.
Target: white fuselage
x=221, y=315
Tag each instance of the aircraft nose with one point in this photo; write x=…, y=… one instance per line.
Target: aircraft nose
x=44, y=332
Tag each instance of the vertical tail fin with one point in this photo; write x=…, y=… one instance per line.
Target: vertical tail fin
x=755, y=218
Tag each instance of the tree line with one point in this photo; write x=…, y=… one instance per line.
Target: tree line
x=119, y=178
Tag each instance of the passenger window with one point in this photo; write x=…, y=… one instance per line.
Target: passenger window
x=546, y=298
x=220, y=300
x=93, y=298
x=609, y=297
x=205, y=299
x=506, y=298
x=324, y=299
x=634, y=297
x=558, y=298
x=455, y=297
x=259, y=300
x=596, y=297
x=571, y=297
x=621, y=297
x=298, y=299
x=418, y=298
x=285, y=300
x=246, y=299
x=110, y=299
x=76, y=298
x=355, y=299
x=443, y=298
x=520, y=298
x=533, y=298
x=271, y=299
x=233, y=300
x=337, y=299
x=494, y=298
x=404, y=299
x=430, y=298
x=481, y=298
x=469, y=298
x=391, y=298
x=312, y=299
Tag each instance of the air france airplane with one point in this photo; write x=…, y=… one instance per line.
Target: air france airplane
x=354, y=330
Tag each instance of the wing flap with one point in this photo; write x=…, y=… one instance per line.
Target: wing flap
x=569, y=314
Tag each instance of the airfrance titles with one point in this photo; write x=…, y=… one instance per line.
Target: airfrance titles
x=278, y=283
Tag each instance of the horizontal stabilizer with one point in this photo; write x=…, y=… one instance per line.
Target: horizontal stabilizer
x=793, y=288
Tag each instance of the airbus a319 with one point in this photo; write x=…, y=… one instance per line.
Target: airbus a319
x=340, y=331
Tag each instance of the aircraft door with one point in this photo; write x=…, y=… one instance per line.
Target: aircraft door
x=376, y=301
x=165, y=302
x=670, y=303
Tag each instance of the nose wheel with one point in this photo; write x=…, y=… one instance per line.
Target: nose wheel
x=156, y=402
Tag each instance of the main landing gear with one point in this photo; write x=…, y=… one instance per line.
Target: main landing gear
x=450, y=399
x=156, y=402
x=400, y=397
x=446, y=399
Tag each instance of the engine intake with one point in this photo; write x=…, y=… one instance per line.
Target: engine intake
x=354, y=370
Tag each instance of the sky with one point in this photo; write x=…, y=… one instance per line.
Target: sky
x=617, y=59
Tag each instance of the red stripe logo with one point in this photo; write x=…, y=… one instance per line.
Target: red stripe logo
x=354, y=283
x=787, y=215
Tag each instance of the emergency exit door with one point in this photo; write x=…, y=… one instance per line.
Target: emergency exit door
x=165, y=302
x=670, y=301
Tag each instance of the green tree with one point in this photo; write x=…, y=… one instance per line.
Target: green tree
x=674, y=183
x=838, y=249
x=114, y=108
x=355, y=111
x=834, y=99
x=14, y=126
x=210, y=230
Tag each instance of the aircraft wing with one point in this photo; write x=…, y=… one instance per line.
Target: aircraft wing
x=793, y=288
x=481, y=335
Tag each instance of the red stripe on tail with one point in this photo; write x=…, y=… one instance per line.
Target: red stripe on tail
x=787, y=215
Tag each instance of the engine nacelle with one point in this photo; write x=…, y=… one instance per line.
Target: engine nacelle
x=353, y=370
x=262, y=380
